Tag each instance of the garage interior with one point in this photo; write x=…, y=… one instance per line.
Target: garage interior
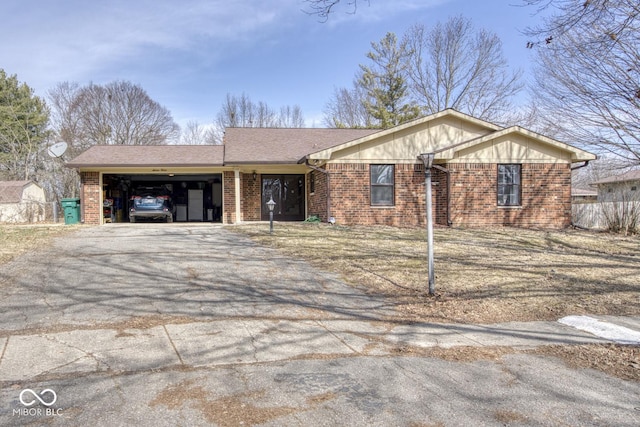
x=195, y=198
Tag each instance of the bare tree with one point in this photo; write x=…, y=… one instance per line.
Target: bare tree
x=122, y=113
x=588, y=73
x=602, y=168
x=323, y=8
x=455, y=66
x=195, y=134
x=117, y=113
x=291, y=117
x=241, y=111
x=346, y=109
x=566, y=15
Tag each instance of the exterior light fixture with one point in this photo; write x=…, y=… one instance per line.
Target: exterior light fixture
x=271, y=204
x=255, y=175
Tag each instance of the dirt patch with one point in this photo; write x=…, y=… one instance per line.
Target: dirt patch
x=508, y=417
x=457, y=354
x=621, y=361
x=224, y=411
x=234, y=410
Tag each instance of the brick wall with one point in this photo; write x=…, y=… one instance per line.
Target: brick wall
x=229, y=198
x=90, y=198
x=251, y=198
x=317, y=201
x=546, y=196
x=351, y=203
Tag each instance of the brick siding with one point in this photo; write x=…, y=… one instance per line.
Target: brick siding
x=546, y=196
x=317, y=201
x=229, y=198
x=251, y=197
x=545, y=203
x=351, y=202
x=90, y=198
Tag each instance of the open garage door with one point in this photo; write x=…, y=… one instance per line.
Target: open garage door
x=180, y=198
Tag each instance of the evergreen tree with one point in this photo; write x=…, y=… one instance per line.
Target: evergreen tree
x=385, y=85
x=23, y=128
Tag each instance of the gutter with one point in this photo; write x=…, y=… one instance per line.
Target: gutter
x=586, y=163
x=328, y=175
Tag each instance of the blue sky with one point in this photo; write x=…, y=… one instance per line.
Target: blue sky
x=189, y=54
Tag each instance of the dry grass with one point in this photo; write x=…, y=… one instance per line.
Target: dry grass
x=622, y=361
x=482, y=276
x=17, y=239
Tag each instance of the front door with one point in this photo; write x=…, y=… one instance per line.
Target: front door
x=288, y=193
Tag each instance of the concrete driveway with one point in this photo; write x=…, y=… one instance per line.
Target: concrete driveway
x=158, y=324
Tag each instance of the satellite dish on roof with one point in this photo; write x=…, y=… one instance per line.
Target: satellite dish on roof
x=57, y=149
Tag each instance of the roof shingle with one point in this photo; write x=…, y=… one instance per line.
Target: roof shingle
x=11, y=191
x=283, y=145
x=629, y=176
x=150, y=155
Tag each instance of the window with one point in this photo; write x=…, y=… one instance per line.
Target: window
x=382, y=185
x=509, y=185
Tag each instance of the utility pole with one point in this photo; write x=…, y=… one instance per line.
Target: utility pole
x=427, y=159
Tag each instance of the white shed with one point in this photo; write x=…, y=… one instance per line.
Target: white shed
x=21, y=201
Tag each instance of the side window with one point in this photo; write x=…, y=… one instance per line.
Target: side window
x=382, y=185
x=509, y=177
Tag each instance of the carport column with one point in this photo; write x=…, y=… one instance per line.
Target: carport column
x=237, y=190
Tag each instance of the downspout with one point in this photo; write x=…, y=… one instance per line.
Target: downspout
x=448, y=173
x=326, y=172
x=573, y=168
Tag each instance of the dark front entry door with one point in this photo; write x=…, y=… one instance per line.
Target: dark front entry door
x=288, y=193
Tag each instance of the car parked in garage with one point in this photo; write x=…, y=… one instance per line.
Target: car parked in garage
x=151, y=205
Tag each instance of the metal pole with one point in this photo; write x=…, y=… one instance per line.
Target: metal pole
x=432, y=277
x=271, y=222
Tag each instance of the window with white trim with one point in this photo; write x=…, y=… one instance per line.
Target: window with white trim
x=509, y=178
x=382, y=185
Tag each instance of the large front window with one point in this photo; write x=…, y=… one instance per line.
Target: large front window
x=382, y=185
x=509, y=177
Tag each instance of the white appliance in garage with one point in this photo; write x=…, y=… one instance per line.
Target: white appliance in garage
x=196, y=205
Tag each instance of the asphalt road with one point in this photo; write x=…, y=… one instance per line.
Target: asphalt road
x=157, y=324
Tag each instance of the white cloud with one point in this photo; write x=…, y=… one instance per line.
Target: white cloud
x=74, y=40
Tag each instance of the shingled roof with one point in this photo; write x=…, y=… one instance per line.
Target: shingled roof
x=11, y=191
x=150, y=155
x=276, y=145
x=629, y=176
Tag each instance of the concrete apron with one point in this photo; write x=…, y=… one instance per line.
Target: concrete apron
x=231, y=342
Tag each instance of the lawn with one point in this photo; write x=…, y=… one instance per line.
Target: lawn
x=17, y=239
x=482, y=276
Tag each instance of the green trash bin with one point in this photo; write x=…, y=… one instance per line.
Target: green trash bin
x=71, y=209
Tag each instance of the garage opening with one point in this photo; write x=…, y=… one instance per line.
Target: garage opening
x=168, y=198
